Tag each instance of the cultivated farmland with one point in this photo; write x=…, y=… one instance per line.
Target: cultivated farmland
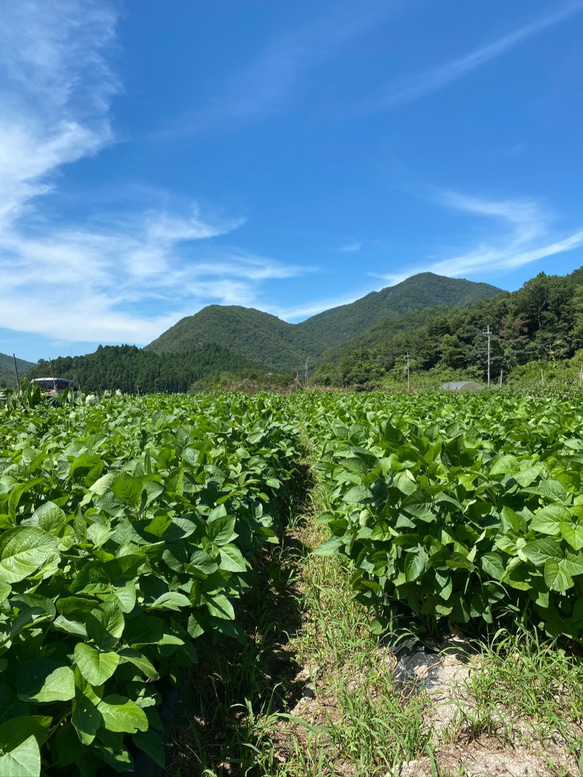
x=131, y=531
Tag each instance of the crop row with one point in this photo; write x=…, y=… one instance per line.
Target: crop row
x=127, y=533
x=466, y=510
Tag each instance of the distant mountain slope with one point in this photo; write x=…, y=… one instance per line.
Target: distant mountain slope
x=282, y=346
x=7, y=374
x=251, y=333
x=420, y=291
x=375, y=336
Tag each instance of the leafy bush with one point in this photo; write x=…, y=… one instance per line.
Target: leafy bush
x=467, y=509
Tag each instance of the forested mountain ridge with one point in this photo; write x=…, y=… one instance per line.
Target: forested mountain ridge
x=255, y=335
x=424, y=290
x=542, y=321
x=286, y=347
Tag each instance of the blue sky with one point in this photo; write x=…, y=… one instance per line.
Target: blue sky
x=159, y=157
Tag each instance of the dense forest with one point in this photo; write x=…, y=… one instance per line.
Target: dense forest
x=543, y=321
x=255, y=335
x=425, y=290
x=131, y=369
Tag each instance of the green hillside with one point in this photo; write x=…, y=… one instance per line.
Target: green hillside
x=7, y=375
x=542, y=321
x=420, y=291
x=282, y=346
x=254, y=335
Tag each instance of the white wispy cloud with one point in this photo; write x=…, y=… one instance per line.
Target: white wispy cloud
x=525, y=236
x=86, y=285
x=350, y=248
x=418, y=86
x=118, y=277
x=267, y=85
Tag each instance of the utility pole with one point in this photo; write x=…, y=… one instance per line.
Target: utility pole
x=16, y=371
x=408, y=374
x=489, y=335
x=306, y=371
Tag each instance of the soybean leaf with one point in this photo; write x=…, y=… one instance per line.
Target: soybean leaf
x=43, y=681
x=171, y=600
x=121, y=714
x=232, y=559
x=49, y=517
x=22, y=761
x=222, y=530
x=95, y=666
x=556, y=576
x=23, y=551
x=86, y=719
x=151, y=744
x=128, y=490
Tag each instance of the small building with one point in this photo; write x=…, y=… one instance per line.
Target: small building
x=462, y=385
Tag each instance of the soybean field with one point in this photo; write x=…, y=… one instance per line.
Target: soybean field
x=132, y=531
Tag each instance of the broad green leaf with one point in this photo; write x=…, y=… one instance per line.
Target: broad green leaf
x=573, y=534
x=23, y=761
x=41, y=680
x=551, y=489
x=357, y=494
x=17, y=492
x=151, y=744
x=330, y=547
x=139, y=659
x=222, y=530
x=505, y=465
x=200, y=561
x=144, y=630
x=404, y=483
x=122, y=714
x=86, y=719
x=105, y=624
x=49, y=517
x=96, y=667
x=556, y=577
x=99, y=534
x=220, y=607
x=5, y=590
x=538, y=551
x=232, y=559
x=547, y=520
x=415, y=564
x=14, y=731
x=126, y=596
x=103, y=485
x=573, y=564
x=23, y=551
x=356, y=465
x=492, y=564
x=128, y=490
x=527, y=476
x=171, y=600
